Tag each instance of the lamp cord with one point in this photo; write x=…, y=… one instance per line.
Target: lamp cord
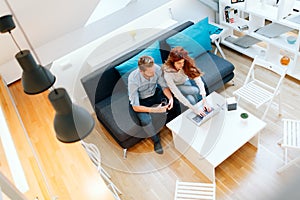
x=23, y=32
x=13, y=38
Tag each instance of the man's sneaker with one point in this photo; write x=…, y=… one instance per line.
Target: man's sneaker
x=158, y=148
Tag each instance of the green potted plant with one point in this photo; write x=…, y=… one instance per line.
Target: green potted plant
x=244, y=116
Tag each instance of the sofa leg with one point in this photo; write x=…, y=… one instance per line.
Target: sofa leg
x=124, y=153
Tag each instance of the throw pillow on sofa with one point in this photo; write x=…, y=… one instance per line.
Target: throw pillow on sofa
x=204, y=24
x=195, y=39
x=132, y=63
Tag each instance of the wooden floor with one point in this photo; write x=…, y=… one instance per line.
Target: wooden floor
x=52, y=169
x=249, y=173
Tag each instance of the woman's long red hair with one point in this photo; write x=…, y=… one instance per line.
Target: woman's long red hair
x=189, y=68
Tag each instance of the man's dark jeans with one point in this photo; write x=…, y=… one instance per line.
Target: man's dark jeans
x=146, y=119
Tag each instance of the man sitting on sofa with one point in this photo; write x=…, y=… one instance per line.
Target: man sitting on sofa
x=147, y=88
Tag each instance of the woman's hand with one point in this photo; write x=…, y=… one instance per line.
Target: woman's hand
x=201, y=111
x=206, y=107
x=198, y=111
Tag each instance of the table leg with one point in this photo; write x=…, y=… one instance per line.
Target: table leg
x=207, y=169
x=255, y=140
x=194, y=157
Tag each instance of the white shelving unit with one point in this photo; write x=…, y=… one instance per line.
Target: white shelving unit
x=256, y=14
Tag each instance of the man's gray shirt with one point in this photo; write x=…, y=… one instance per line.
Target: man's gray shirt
x=140, y=88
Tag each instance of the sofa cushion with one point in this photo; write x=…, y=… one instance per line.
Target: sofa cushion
x=132, y=63
x=195, y=39
x=122, y=129
x=99, y=84
x=164, y=46
x=205, y=25
x=214, y=67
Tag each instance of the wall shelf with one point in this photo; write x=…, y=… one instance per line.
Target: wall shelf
x=256, y=14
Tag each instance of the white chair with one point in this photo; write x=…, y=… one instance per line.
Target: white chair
x=94, y=154
x=256, y=91
x=290, y=140
x=194, y=190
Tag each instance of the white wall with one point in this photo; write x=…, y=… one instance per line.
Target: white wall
x=191, y=10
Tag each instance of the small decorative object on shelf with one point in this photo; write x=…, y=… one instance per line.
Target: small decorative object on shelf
x=226, y=13
x=236, y=1
x=285, y=60
x=230, y=14
x=243, y=27
x=291, y=39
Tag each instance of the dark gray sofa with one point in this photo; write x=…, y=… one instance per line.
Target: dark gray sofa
x=107, y=91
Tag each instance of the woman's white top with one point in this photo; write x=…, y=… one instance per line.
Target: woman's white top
x=174, y=78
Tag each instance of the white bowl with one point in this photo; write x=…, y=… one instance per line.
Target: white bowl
x=291, y=39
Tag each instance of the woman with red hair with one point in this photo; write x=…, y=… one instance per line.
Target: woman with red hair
x=184, y=80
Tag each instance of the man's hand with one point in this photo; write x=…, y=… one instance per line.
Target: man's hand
x=159, y=109
x=170, y=104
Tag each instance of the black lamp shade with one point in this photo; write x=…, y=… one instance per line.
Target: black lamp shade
x=71, y=122
x=35, y=78
x=6, y=24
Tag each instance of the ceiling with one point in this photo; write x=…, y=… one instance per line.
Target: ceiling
x=42, y=21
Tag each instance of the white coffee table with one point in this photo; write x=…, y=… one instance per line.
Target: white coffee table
x=208, y=145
